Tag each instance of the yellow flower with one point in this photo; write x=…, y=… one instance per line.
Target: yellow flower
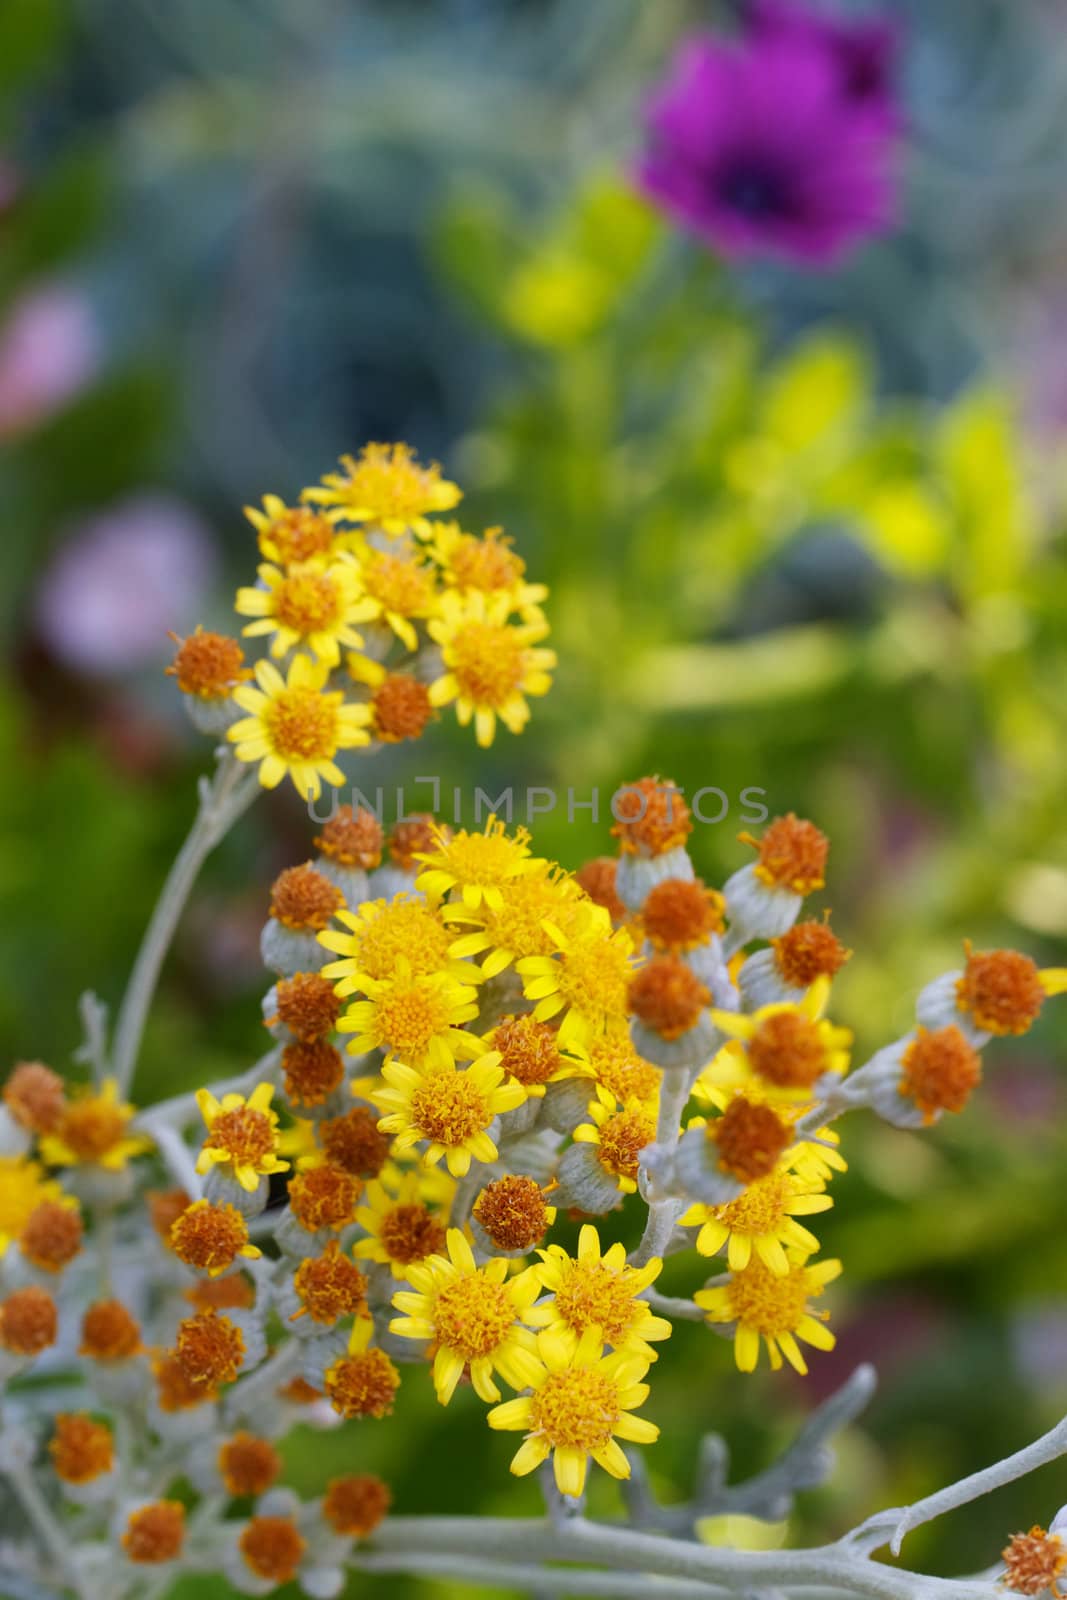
x=382, y=932
x=242, y=1135
x=587, y=979
x=597, y=1291
x=620, y=1136
x=487, y=564
x=491, y=664
x=474, y=1317
x=516, y=927
x=401, y=1228
x=398, y=590
x=310, y=604
x=449, y=1109
x=388, y=487
x=296, y=727
x=772, y=1307
x=578, y=1409
x=477, y=865
x=787, y=1047
x=289, y=534
x=761, y=1219
x=93, y=1131
x=414, y=1016
x=616, y=1067
x=23, y=1187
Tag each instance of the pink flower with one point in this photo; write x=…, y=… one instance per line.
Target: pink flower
x=49, y=350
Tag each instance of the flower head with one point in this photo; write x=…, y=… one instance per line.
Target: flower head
x=680, y=914
x=651, y=818
x=1033, y=1562
x=329, y=1286
x=398, y=590
x=667, y=996
x=312, y=605
x=355, y=1505
x=94, y=1130
x=774, y=1307
x=619, y=1137
x=210, y=1348
x=1001, y=990
x=862, y=51
x=211, y=1237
x=242, y=1135
x=595, y=1290
x=362, y=1383
x=272, y=1548
x=291, y=534
x=762, y=1220
x=939, y=1071
x=109, y=1332
x=248, y=1465
x=791, y=855
x=485, y=563
x=33, y=1095
x=355, y=1142
x=382, y=933
x=81, y=1449
x=587, y=979
x=303, y=900
x=474, y=1316
x=401, y=1229
x=324, y=1196
x=29, y=1321
x=307, y=1005
x=474, y=867
x=387, y=487
x=787, y=1047
x=353, y=837
x=155, y=1533
x=413, y=1017
x=449, y=1109
x=23, y=1187
x=208, y=666
x=806, y=952
x=519, y=925
x=295, y=726
x=750, y=1138
x=491, y=664
x=52, y=1236
x=513, y=1213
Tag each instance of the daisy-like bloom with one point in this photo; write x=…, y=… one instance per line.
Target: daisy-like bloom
x=753, y=148
x=487, y=564
x=595, y=1291
x=291, y=534
x=109, y=1333
x=311, y=605
x=329, y=1287
x=53, y=1235
x=529, y=1053
x=306, y=1005
x=210, y=1237
x=210, y=1348
x=381, y=933
x=354, y=1141
x=295, y=726
x=33, y=1095
x=792, y=855
x=398, y=591
x=806, y=952
x=355, y=1505
x=81, y=1449
x=474, y=1316
x=94, y=1130
x=302, y=900
x=587, y=979
x=388, y=488
x=449, y=1109
x=242, y=1136
x=619, y=1138
x=939, y=1071
x=517, y=927
x=352, y=838
x=208, y=666
x=775, y=1308
x=1034, y=1562
x=1001, y=990
x=414, y=1017
x=272, y=1548
x=155, y=1533
x=175, y=1389
x=491, y=664
x=788, y=1047
x=579, y=1409
x=29, y=1321
x=667, y=996
x=651, y=818
x=323, y=1196
x=248, y=1465
x=762, y=1219
x=680, y=914
x=363, y=1382
x=401, y=707
x=23, y=1187
x=312, y=1071
x=749, y=1138
x=474, y=867
x=401, y=1229
x=513, y=1213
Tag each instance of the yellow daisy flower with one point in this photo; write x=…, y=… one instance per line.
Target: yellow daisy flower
x=616, y=1067
x=296, y=727
x=475, y=866
x=93, y=1130
x=449, y=1109
x=586, y=979
x=775, y=1308
x=382, y=932
x=487, y=564
x=398, y=590
x=491, y=664
x=580, y=1409
x=23, y=1187
x=242, y=1135
x=311, y=605
x=402, y=1228
x=597, y=1291
x=516, y=927
x=474, y=1317
x=761, y=1219
x=619, y=1136
x=290, y=534
x=787, y=1047
x=413, y=1016
x=387, y=487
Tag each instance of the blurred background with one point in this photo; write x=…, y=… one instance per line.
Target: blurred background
x=804, y=532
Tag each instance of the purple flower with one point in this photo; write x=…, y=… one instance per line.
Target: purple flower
x=49, y=351
x=754, y=149
x=862, y=52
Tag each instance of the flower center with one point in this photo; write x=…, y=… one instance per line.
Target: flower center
x=1034, y=1561
x=301, y=898
x=576, y=1409
x=324, y=1197
x=92, y=1127
x=404, y=587
x=308, y=602
x=354, y=1142
x=109, y=1333
x=52, y=1236
x=761, y=1209
x=448, y=1108
x=1001, y=989
x=208, y=665
x=362, y=1385
x=512, y=1211
x=485, y=564
x=81, y=1449
x=297, y=535
x=617, y=1065
x=272, y=1547
x=208, y=1237
x=307, y=1005
x=401, y=707
x=808, y=951
x=754, y=191
x=668, y=996
x=939, y=1070
x=405, y=928
x=313, y=1070
x=155, y=1533
x=651, y=817
x=788, y=1050
x=248, y=1465
x=593, y=977
x=488, y=661
x=330, y=1286
x=353, y=837
x=246, y=1135
x=591, y=1293
x=410, y=1233
x=622, y=1138
x=473, y=1316
x=408, y=1019
x=301, y=724
x=529, y=1048
x=750, y=1139
x=792, y=855
x=681, y=913
x=766, y=1303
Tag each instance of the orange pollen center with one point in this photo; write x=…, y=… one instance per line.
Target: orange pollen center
x=52, y=1236
x=769, y=1304
x=617, y=1065
x=409, y=1019
x=1033, y=1561
x=34, y=1096
x=245, y=1134
x=233, y=1293
x=788, y=1050
x=308, y=602
x=449, y=1108
x=313, y=1070
x=590, y=1292
x=324, y=1197
x=165, y=1206
x=354, y=838
x=622, y=1138
x=330, y=1286
x=175, y=1390
x=488, y=661
x=155, y=1533
x=28, y=1321
x=651, y=817
x=939, y=1071
x=354, y=1506
x=401, y=707
x=411, y=838
x=355, y=1143
x=1002, y=991
x=248, y=1464
x=403, y=587
x=92, y=1128
x=512, y=1212
x=529, y=1048
x=577, y=1409
x=208, y=665
x=761, y=1209
x=109, y=1333
x=473, y=1316
x=307, y=1005
x=593, y=978
x=792, y=855
x=273, y=1548
x=485, y=564
x=297, y=535
x=681, y=913
x=597, y=878
x=208, y=1237
x=81, y=1449
x=410, y=1233
x=808, y=951
x=668, y=996
x=362, y=1385
x=750, y=1139
x=302, y=724
x=302, y=898
x=210, y=1348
